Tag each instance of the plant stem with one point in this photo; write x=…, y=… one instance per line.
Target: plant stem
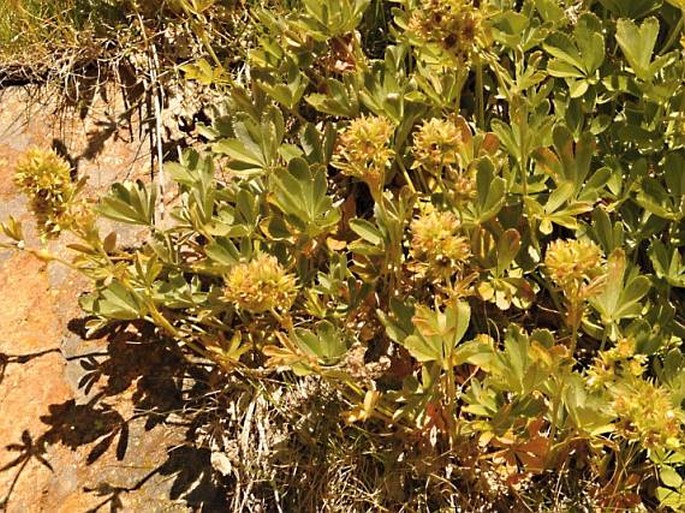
x=160, y=320
x=480, y=100
x=405, y=175
x=451, y=393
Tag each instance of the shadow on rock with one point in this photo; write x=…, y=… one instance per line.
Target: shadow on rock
x=74, y=425
x=7, y=359
x=167, y=394
x=193, y=483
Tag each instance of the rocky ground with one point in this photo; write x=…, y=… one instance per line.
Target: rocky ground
x=85, y=425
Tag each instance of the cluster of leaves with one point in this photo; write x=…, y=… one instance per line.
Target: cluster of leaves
x=467, y=217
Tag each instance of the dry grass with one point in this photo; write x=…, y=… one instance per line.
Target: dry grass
x=44, y=39
x=38, y=33
x=280, y=444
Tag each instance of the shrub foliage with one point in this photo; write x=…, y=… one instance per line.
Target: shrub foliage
x=464, y=217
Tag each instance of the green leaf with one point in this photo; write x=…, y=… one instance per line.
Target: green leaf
x=561, y=46
x=593, y=186
x=509, y=27
x=255, y=147
x=367, y=231
x=491, y=191
x=424, y=350
x=655, y=199
x=674, y=175
x=559, y=196
x=669, y=498
x=290, y=93
x=398, y=325
x=523, y=366
x=334, y=17
x=620, y=298
x=118, y=302
x=667, y=263
x=551, y=11
x=341, y=100
x=312, y=145
x=631, y=8
x=588, y=413
x=438, y=333
x=588, y=37
x=670, y=477
x=300, y=192
x=508, y=246
x=13, y=229
x=129, y=203
x=477, y=352
x=506, y=134
x=204, y=73
x=635, y=289
x=241, y=152
x=610, y=237
x=637, y=44
x=327, y=344
x=578, y=88
x=222, y=251
x=578, y=57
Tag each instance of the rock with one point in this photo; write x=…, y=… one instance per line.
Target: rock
x=85, y=424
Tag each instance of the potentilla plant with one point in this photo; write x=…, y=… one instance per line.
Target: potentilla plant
x=465, y=217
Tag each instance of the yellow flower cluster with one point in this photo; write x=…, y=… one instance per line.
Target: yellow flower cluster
x=612, y=364
x=454, y=25
x=647, y=413
x=462, y=187
x=572, y=262
x=437, y=144
x=46, y=179
x=260, y=285
x=363, y=150
x=436, y=242
x=576, y=267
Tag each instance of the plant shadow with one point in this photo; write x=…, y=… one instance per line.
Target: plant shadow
x=139, y=401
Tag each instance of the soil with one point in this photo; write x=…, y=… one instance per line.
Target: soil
x=85, y=425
